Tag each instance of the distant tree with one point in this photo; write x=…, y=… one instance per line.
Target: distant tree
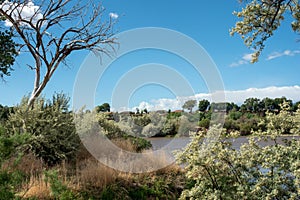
x=105, y=107
x=137, y=111
x=190, y=104
x=231, y=106
x=295, y=106
x=49, y=31
x=261, y=18
x=220, y=106
x=281, y=100
x=268, y=104
x=251, y=105
x=203, y=105
x=5, y=112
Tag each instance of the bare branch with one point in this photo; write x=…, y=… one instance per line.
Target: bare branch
x=55, y=29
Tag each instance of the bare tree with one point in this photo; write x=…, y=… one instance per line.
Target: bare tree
x=54, y=29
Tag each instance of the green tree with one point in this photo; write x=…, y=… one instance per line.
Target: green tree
x=251, y=105
x=279, y=101
x=261, y=18
x=203, y=105
x=221, y=106
x=231, y=106
x=296, y=106
x=190, y=104
x=5, y=111
x=105, y=107
x=8, y=52
x=268, y=104
x=53, y=31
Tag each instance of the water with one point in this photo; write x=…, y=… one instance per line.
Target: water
x=171, y=144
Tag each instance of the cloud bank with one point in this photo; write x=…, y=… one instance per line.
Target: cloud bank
x=236, y=96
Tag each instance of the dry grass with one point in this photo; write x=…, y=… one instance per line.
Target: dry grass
x=96, y=175
x=124, y=144
x=88, y=174
x=28, y=164
x=37, y=188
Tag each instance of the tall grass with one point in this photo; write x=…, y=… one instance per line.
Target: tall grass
x=86, y=177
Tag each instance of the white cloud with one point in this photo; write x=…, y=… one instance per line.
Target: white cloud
x=114, y=15
x=284, y=53
x=245, y=60
x=27, y=11
x=236, y=96
x=239, y=96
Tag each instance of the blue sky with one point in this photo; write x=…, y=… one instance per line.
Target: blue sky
x=208, y=23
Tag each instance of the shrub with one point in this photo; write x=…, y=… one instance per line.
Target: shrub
x=285, y=122
x=85, y=123
x=58, y=189
x=204, y=123
x=253, y=172
x=9, y=180
x=235, y=115
x=50, y=124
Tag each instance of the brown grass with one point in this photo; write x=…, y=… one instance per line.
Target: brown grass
x=95, y=174
x=124, y=144
x=28, y=164
x=88, y=174
x=36, y=187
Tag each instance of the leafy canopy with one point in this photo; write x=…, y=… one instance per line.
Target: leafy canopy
x=260, y=18
x=252, y=171
x=8, y=53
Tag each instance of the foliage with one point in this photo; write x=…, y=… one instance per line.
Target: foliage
x=221, y=106
x=249, y=116
x=173, y=115
x=259, y=20
x=116, y=130
x=251, y=105
x=111, y=129
x=283, y=123
x=50, y=124
x=203, y=105
x=8, y=52
x=167, y=185
x=204, y=123
x=252, y=172
x=105, y=107
x=4, y=113
x=9, y=180
x=235, y=115
x=295, y=106
x=139, y=143
x=58, y=189
x=190, y=104
x=170, y=127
